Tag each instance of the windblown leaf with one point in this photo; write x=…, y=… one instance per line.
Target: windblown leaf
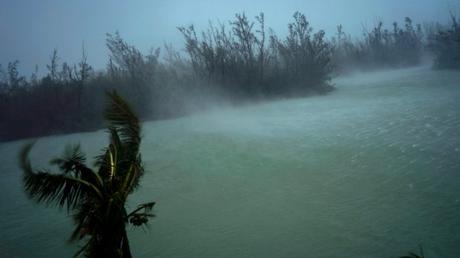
x=138, y=218
x=73, y=163
x=70, y=160
x=122, y=119
x=58, y=189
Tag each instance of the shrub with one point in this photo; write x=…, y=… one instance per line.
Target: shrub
x=445, y=44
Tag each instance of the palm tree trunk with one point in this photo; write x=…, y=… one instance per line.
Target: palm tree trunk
x=126, y=252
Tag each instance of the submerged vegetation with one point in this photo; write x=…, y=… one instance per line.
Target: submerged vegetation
x=96, y=198
x=241, y=60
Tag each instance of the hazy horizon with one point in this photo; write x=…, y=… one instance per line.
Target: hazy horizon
x=31, y=33
x=265, y=138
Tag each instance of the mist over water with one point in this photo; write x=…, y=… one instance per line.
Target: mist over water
x=371, y=170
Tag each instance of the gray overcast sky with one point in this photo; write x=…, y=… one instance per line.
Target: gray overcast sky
x=30, y=29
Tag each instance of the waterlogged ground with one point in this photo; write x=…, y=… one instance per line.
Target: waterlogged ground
x=371, y=170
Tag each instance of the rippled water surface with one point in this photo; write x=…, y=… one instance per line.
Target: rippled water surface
x=370, y=170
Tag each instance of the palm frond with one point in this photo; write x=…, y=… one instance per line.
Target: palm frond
x=58, y=189
x=122, y=119
x=108, y=163
x=132, y=176
x=73, y=162
x=148, y=206
x=115, y=139
x=71, y=159
x=24, y=161
x=138, y=218
x=121, y=158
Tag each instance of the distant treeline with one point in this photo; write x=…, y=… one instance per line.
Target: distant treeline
x=241, y=59
x=398, y=47
x=444, y=42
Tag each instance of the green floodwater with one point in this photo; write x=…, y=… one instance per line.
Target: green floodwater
x=370, y=170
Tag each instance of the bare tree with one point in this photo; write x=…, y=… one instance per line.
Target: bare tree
x=53, y=66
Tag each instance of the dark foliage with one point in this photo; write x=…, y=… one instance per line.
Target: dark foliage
x=241, y=59
x=305, y=57
x=380, y=48
x=244, y=60
x=96, y=198
x=445, y=44
x=58, y=102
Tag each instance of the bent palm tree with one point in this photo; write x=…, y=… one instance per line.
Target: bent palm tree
x=97, y=198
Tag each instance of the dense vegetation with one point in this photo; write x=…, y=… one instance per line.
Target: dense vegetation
x=445, y=44
x=241, y=60
x=248, y=62
x=398, y=47
x=96, y=199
